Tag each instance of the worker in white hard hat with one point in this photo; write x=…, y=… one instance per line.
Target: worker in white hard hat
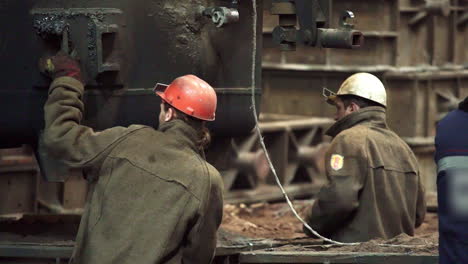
x=374, y=189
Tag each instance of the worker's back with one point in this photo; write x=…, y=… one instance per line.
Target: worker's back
x=391, y=186
x=375, y=189
x=150, y=201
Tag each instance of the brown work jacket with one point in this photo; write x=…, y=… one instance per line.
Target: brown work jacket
x=374, y=188
x=153, y=198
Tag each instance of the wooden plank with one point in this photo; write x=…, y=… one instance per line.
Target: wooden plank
x=331, y=258
x=249, y=245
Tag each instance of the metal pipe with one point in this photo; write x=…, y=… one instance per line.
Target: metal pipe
x=340, y=38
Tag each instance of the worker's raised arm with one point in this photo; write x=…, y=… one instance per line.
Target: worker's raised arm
x=64, y=137
x=337, y=201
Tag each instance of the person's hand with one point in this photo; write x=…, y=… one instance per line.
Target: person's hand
x=61, y=65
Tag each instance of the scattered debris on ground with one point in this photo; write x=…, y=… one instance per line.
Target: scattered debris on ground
x=422, y=244
x=264, y=220
x=429, y=226
x=276, y=221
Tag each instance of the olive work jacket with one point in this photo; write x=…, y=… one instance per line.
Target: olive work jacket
x=374, y=188
x=153, y=198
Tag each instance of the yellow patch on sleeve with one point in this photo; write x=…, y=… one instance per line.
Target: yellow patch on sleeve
x=336, y=162
x=50, y=67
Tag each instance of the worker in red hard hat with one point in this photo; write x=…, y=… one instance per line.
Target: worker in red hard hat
x=191, y=99
x=153, y=197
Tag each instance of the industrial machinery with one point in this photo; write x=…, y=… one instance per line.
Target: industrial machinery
x=313, y=20
x=125, y=47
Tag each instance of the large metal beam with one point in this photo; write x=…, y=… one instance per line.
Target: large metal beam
x=334, y=257
x=36, y=251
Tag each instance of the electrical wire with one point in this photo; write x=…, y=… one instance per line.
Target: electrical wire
x=262, y=142
x=267, y=155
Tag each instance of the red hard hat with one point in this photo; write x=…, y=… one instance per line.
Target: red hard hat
x=190, y=95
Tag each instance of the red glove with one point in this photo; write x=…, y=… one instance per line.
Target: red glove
x=61, y=65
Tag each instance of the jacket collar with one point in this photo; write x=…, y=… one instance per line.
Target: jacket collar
x=371, y=116
x=185, y=134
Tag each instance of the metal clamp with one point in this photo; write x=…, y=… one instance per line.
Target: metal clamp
x=221, y=15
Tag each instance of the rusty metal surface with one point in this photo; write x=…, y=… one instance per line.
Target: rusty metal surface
x=416, y=100
x=296, y=145
x=125, y=47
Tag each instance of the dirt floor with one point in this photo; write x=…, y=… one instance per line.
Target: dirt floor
x=264, y=220
x=276, y=221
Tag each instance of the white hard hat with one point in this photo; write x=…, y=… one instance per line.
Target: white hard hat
x=361, y=84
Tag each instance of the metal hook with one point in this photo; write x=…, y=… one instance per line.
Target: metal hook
x=344, y=17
